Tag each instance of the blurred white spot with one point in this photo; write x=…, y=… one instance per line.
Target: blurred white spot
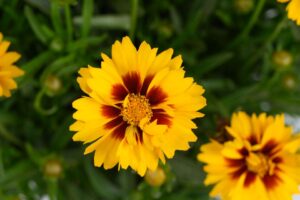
x=32, y=184
x=271, y=13
x=265, y=106
x=45, y=197
x=22, y=196
x=296, y=197
x=294, y=121
x=256, y=76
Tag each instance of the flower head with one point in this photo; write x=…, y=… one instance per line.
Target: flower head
x=8, y=70
x=138, y=109
x=260, y=162
x=293, y=9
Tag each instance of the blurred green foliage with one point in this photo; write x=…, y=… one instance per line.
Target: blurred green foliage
x=227, y=47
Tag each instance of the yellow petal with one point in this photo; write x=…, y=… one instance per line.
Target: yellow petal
x=3, y=47
x=161, y=61
x=87, y=109
x=145, y=58
x=293, y=11
x=9, y=58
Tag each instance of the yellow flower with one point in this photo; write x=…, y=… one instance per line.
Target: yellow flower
x=259, y=163
x=293, y=9
x=138, y=109
x=8, y=70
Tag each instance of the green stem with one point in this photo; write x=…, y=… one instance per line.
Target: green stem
x=34, y=65
x=276, y=32
x=270, y=39
x=9, y=136
x=52, y=189
x=38, y=104
x=133, y=22
x=273, y=80
x=241, y=95
x=87, y=13
x=68, y=18
x=1, y=163
x=56, y=19
x=218, y=105
x=254, y=18
x=250, y=24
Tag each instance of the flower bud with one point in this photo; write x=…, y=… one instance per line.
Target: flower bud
x=53, y=85
x=166, y=30
x=56, y=45
x=243, y=6
x=289, y=81
x=282, y=59
x=53, y=168
x=155, y=178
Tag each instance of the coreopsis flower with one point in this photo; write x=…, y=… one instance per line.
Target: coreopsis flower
x=293, y=9
x=260, y=162
x=138, y=109
x=8, y=70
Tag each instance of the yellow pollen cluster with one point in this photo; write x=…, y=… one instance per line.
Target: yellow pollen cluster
x=135, y=109
x=259, y=164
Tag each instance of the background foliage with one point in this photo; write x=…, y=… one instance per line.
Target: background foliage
x=228, y=46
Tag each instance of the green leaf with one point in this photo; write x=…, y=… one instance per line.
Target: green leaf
x=121, y=22
x=20, y=170
x=187, y=171
x=101, y=185
x=36, y=26
x=74, y=192
x=86, y=42
x=127, y=180
x=34, y=155
x=43, y=5
x=35, y=64
x=213, y=62
x=56, y=65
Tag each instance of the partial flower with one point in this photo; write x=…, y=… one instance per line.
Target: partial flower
x=138, y=109
x=260, y=162
x=8, y=70
x=293, y=9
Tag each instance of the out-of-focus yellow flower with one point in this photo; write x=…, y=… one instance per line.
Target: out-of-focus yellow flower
x=293, y=9
x=260, y=162
x=139, y=107
x=8, y=71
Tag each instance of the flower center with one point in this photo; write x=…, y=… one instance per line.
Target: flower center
x=136, y=109
x=259, y=164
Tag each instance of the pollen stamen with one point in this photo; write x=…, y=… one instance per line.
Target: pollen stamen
x=259, y=164
x=136, y=109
